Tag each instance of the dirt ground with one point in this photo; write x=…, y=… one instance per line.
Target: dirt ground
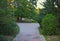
x=53, y=38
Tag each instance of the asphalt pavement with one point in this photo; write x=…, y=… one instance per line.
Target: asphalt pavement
x=29, y=32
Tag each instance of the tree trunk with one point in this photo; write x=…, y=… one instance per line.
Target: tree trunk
x=20, y=19
x=17, y=19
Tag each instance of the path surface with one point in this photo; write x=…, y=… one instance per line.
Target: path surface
x=29, y=32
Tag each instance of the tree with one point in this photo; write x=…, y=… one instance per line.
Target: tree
x=24, y=9
x=34, y=2
x=52, y=7
x=7, y=23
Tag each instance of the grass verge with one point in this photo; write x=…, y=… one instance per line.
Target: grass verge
x=52, y=38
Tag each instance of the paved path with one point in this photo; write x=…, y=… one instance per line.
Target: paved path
x=29, y=32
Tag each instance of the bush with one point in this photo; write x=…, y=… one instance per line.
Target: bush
x=49, y=25
x=6, y=38
x=8, y=26
x=3, y=38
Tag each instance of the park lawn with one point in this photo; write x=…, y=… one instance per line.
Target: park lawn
x=53, y=38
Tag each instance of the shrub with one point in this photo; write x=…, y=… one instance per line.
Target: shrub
x=6, y=38
x=3, y=38
x=49, y=25
x=8, y=26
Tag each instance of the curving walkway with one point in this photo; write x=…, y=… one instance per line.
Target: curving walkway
x=29, y=32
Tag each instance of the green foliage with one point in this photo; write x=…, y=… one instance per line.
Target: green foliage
x=34, y=2
x=7, y=23
x=49, y=25
x=8, y=26
x=3, y=4
x=3, y=38
x=6, y=38
x=52, y=6
x=25, y=9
